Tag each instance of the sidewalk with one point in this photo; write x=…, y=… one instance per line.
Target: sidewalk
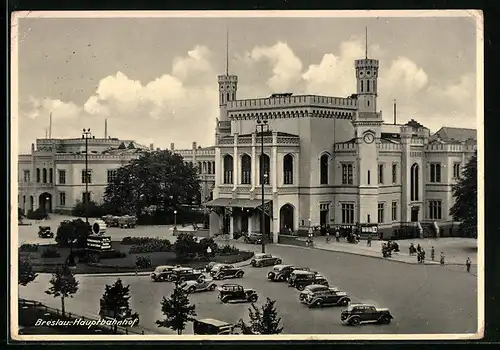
x=456, y=250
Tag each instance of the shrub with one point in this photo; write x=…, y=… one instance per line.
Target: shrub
x=185, y=247
x=228, y=250
x=92, y=209
x=51, y=253
x=143, y=262
x=136, y=240
x=69, y=231
x=37, y=214
x=154, y=245
x=27, y=247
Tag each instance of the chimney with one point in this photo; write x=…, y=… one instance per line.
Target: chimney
x=158, y=148
x=394, y=111
x=105, y=128
x=151, y=147
x=172, y=146
x=32, y=147
x=194, y=145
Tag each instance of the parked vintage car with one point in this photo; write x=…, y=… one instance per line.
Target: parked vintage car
x=327, y=297
x=282, y=273
x=162, y=273
x=262, y=259
x=223, y=271
x=127, y=221
x=301, y=279
x=206, y=284
x=110, y=220
x=311, y=289
x=253, y=238
x=182, y=274
x=235, y=292
x=210, y=266
x=356, y=314
x=45, y=232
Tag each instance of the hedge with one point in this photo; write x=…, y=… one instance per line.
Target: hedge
x=28, y=247
x=51, y=253
x=155, y=245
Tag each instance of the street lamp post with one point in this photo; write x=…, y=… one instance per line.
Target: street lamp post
x=175, y=219
x=263, y=126
x=86, y=135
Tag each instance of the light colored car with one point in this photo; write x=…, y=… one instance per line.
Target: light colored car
x=199, y=286
x=263, y=259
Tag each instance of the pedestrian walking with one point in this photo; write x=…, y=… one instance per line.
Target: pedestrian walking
x=441, y=260
x=432, y=253
x=422, y=258
x=467, y=264
x=327, y=236
x=419, y=248
x=369, y=240
x=419, y=257
x=337, y=236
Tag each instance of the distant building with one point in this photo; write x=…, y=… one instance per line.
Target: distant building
x=330, y=161
x=52, y=176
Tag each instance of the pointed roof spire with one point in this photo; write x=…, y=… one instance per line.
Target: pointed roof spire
x=227, y=51
x=366, y=41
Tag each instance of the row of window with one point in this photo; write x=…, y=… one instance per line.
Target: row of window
x=265, y=165
x=207, y=167
x=62, y=198
x=62, y=176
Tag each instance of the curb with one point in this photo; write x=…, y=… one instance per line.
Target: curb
x=369, y=256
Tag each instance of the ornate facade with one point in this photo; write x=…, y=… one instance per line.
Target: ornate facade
x=330, y=160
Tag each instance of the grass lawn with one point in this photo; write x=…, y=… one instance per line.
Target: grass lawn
x=126, y=264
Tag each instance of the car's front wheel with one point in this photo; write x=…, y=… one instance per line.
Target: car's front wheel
x=239, y=274
x=344, y=302
x=278, y=261
x=385, y=320
x=253, y=298
x=300, y=287
x=224, y=300
x=192, y=289
x=211, y=288
x=180, y=280
x=354, y=321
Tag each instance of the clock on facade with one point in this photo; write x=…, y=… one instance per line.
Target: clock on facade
x=368, y=138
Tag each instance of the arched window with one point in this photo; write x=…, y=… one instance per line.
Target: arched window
x=51, y=175
x=37, y=174
x=265, y=164
x=44, y=175
x=323, y=165
x=209, y=167
x=227, y=96
x=199, y=167
x=367, y=86
x=246, y=169
x=228, y=169
x=288, y=169
x=414, y=182
x=361, y=85
x=234, y=96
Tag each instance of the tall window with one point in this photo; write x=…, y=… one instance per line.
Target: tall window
x=347, y=174
x=51, y=175
x=62, y=176
x=394, y=173
x=381, y=173
x=199, y=167
x=414, y=182
x=265, y=165
x=246, y=169
x=367, y=86
x=347, y=213
x=209, y=167
x=86, y=197
x=368, y=177
x=362, y=85
x=435, y=210
x=288, y=169
x=435, y=172
x=381, y=213
x=38, y=175
x=228, y=169
x=323, y=165
x=88, y=177
x=62, y=199
x=44, y=175
x=26, y=176
x=111, y=175
x=394, y=211
x=456, y=170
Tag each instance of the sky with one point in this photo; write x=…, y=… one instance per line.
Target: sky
x=155, y=79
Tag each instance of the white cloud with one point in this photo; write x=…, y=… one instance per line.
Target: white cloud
x=404, y=74
x=286, y=66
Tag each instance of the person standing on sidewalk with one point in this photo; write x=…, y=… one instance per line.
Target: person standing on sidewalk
x=422, y=258
x=369, y=240
x=327, y=236
x=467, y=264
x=432, y=253
x=337, y=235
x=441, y=260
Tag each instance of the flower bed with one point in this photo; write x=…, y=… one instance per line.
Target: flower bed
x=155, y=245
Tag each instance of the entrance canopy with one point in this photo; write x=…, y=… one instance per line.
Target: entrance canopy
x=235, y=203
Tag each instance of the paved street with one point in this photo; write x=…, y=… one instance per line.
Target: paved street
x=423, y=299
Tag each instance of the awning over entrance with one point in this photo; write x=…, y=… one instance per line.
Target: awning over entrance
x=235, y=203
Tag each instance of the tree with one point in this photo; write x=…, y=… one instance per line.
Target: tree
x=264, y=320
x=115, y=302
x=69, y=231
x=177, y=309
x=185, y=247
x=465, y=192
x=159, y=179
x=63, y=285
x=25, y=271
